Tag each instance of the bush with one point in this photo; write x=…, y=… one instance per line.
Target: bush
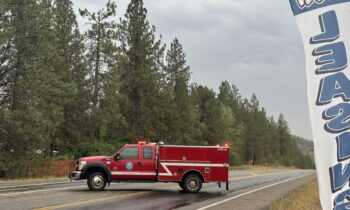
x=235, y=159
x=99, y=148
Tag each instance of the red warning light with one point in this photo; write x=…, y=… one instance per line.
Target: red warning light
x=142, y=142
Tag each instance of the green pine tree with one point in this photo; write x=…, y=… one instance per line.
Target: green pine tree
x=181, y=114
x=71, y=73
x=143, y=105
x=100, y=38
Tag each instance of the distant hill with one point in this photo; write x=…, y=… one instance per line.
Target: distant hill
x=305, y=146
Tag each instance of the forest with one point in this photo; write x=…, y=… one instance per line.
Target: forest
x=67, y=92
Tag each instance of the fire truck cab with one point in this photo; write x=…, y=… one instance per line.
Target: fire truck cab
x=190, y=166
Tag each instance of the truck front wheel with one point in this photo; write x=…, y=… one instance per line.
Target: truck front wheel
x=97, y=181
x=192, y=183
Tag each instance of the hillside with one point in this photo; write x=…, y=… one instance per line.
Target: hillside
x=305, y=146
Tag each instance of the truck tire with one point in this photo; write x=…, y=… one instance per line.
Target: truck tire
x=97, y=181
x=192, y=183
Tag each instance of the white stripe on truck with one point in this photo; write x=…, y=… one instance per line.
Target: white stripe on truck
x=134, y=173
x=165, y=166
x=168, y=172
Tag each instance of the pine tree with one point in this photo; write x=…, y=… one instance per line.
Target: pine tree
x=5, y=46
x=25, y=126
x=226, y=94
x=181, y=114
x=100, y=40
x=233, y=129
x=71, y=71
x=141, y=66
x=209, y=115
x=113, y=121
x=178, y=72
x=288, y=148
x=22, y=21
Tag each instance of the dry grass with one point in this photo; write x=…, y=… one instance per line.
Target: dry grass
x=304, y=198
x=260, y=167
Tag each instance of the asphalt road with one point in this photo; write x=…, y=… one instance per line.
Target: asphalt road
x=156, y=195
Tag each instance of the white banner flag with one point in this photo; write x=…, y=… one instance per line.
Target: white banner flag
x=325, y=30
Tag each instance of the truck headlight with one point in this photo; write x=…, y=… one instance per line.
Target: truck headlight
x=81, y=164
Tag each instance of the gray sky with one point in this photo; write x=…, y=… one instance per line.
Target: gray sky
x=253, y=44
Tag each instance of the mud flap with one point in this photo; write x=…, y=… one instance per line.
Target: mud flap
x=219, y=184
x=227, y=186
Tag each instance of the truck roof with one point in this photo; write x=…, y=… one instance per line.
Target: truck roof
x=194, y=146
x=168, y=145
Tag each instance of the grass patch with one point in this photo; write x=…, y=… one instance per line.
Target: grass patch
x=304, y=198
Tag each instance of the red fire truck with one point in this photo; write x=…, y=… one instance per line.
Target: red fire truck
x=190, y=166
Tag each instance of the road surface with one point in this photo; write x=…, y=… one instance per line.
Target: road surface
x=248, y=190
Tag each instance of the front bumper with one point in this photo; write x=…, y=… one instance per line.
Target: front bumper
x=76, y=175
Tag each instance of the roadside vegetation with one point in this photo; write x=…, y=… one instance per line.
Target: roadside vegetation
x=305, y=198
x=67, y=92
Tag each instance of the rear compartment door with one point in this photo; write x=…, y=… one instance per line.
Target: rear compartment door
x=219, y=157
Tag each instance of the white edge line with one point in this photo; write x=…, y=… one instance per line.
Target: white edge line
x=246, y=193
x=34, y=191
x=34, y=185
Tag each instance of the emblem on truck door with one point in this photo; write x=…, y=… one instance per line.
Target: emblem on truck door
x=129, y=166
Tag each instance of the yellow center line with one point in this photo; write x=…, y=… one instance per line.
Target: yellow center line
x=79, y=203
x=253, y=173
x=257, y=175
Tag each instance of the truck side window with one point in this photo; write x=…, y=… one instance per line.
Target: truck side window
x=147, y=153
x=129, y=153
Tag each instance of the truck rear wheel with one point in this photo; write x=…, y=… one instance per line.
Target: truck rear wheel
x=192, y=183
x=97, y=181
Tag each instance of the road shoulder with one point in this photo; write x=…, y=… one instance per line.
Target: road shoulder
x=253, y=198
x=303, y=198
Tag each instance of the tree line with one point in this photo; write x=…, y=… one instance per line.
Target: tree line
x=74, y=92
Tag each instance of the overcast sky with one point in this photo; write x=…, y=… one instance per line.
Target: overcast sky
x=253, y=44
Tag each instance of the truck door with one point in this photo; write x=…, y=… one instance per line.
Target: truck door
x=128, y=167
x=149, y=162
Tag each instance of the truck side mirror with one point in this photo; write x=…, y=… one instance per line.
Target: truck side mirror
x=117, y=156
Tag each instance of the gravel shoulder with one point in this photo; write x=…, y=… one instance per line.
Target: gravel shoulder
x=258, y=199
